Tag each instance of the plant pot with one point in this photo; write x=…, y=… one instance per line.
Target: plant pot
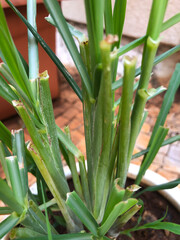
x=150, y=178
x=19, y=36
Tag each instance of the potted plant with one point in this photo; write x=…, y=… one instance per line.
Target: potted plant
x=100, y=204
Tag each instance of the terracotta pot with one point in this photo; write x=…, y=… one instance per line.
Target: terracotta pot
x=19, y=34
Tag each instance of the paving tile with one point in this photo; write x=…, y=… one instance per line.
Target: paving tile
x=164, y=149
x=82, y=146
x=75, y=124
x=146, y=128
x=168, y=174
x=171, y=164
x=142, y=141
x=61, y=121
x=153, y=111
x=70, y=113
x=76, y=137
x=81, y=129
x=159, y=158
x=78, y=105
x=154, y=167
x=80, y=117
x=174, y=153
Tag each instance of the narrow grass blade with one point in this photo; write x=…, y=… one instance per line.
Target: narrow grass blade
x=171, y=22
x=47, y=204
x=7, y=196
x=94, y=16
x=5, y=135
x=168, y=185
x=6, y=91
x=24, y=233
x=81, y=37
x=157, y=60
x=154, y=147
x=8, y=224
x=125, y=122
x=108, y=17
x=128, y=47
x=156, y=17
x=49, y=121
x=74, y=236
x=72, y=165
x=36, y=220
x=84, y=182
x=4, y=70
x=63, y=138
x=5, y=210
x=118, y=19
x=116, y=196
x=56, y=13
x=169, y=226
x=15, y=178
x=117, y=211
x=12, y=57
x=168, y=100
x=20, y=152
x=166, y=142
x=57, y=193
x=78, y=207
x=55, y=59
x=46, y=214
x=3, y=161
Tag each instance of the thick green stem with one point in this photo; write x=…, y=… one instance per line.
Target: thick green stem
x=84, y=181
x=49, y=121
x=33, y=55
x=19, y=151
x=147, y=61
x=15, y=178
x=156, y=18
x=125, y=122
x=105, y=98
x=136, y=119
x=49, y=181
x=72, y=165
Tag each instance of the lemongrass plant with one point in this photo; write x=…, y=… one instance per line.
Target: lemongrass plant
x=100, y=204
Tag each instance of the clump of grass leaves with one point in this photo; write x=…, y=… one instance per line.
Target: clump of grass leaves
x=100, y=204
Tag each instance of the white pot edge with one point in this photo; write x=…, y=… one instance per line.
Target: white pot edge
x=150, y=178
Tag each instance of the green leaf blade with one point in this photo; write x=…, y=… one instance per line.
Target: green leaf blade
x=78, y=207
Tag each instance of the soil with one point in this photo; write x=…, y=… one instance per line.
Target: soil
x=155, y=207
